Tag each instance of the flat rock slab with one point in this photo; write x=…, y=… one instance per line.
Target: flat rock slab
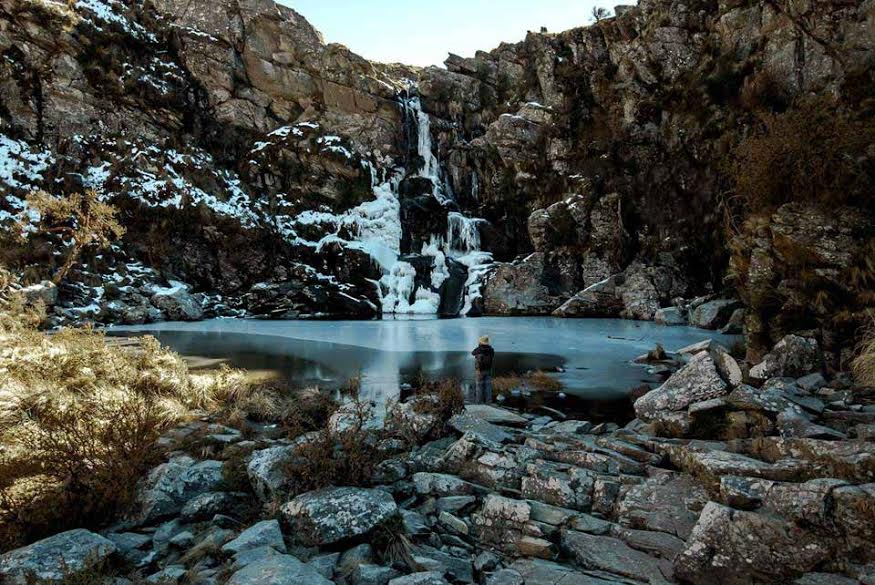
x=539, y=572
x=278, y=570
x=51, y=559
x=332, y=515
x=495, y=415
x=604, y=553
x=483, y=430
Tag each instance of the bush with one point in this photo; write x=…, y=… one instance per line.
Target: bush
x=814, y=152
x=79, y=418
x=327, y=458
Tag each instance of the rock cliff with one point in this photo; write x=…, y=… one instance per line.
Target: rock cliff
x=579, y=173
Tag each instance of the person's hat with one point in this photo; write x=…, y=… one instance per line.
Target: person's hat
x=484, y=340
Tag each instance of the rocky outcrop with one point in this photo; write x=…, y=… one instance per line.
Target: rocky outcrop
x=53, y=559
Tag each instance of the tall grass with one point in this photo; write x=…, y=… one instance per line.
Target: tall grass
x=864, y=364
x=79, y=418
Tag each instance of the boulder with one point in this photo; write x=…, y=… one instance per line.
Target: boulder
x=672, y=316
x=172, y=485
x=177, y=303
x=605, y=553
x=424, y=578
x=46, y=292
x=278, y=570
x=266, y=533
x=698, y=381
x=332, y=515
x=793, y=357
x=52, y=559
x=266, y=471
x=714, y=314
x=745, y=547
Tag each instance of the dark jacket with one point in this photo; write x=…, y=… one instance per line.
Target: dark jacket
x=484, y=355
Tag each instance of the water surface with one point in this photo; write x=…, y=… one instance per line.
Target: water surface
x=591, y=357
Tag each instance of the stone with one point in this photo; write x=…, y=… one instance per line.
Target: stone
x=178, y=304
x=696, y=382
x=454, y=504
x=366, y=574
x=735, y=325
x=352, y=558
x=424, y=578
x=249, y=556
x=46, y=292
x=278, y=570
x=168, y=576
x=171, y=485
x=437, y=484
x=666, y=503
x=824, y=579
x=205, y=506
x=332, y=515
x=453, y=523
x=495, y=415
x=325, y=565
x=671, y=316
x=506, y=577
x=483, y=430
x=266, y=471
x=604, y=553
x=793, y=356
x=50, y=560
x=749, y=546
x=795, y=425
x=541, y=572
x=266, y=533
x=714, y=314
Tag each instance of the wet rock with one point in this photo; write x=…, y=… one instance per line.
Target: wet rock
x=50, y=560
x=332, y=515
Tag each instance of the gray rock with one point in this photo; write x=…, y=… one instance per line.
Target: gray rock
x=482, y=429
x=325, y=565
x=278, y=570
x=46, y=292
x=713, y=315
x=793, y=424
x=752, y=546
x=671, y=316
x=50, y=560
x=171, y=485
x=178, y=304
x=506, y=577
x=414, y=523
x=604, y=553
x=495, y=415
x=366, y=574
x=249, y=556
x=266, y=533
x=454, y=504
x=825, y=579
x=438, y=484
x=266, y=471
x=811, y=382
x=540, y=572
x=696, y=382
x=793, y=356
x=328, y=516
x=167, y=576
x=425, y=578
x=664, y=503
x=205, y=506
x=735, y=325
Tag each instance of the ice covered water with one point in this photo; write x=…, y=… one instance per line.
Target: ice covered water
x=594, y=354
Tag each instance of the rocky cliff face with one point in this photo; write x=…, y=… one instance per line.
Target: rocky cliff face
x=574, y=173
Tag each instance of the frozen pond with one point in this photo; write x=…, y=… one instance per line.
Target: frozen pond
x=594, y=355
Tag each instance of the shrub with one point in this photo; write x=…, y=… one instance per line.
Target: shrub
x=347, y=457
x=79, y=418
x=814, y=152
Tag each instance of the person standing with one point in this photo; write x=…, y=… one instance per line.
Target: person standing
x=484, y=356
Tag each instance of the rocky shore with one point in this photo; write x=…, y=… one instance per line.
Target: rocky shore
x=729, y=474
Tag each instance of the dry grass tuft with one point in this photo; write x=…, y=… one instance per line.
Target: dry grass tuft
x=864, y=364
